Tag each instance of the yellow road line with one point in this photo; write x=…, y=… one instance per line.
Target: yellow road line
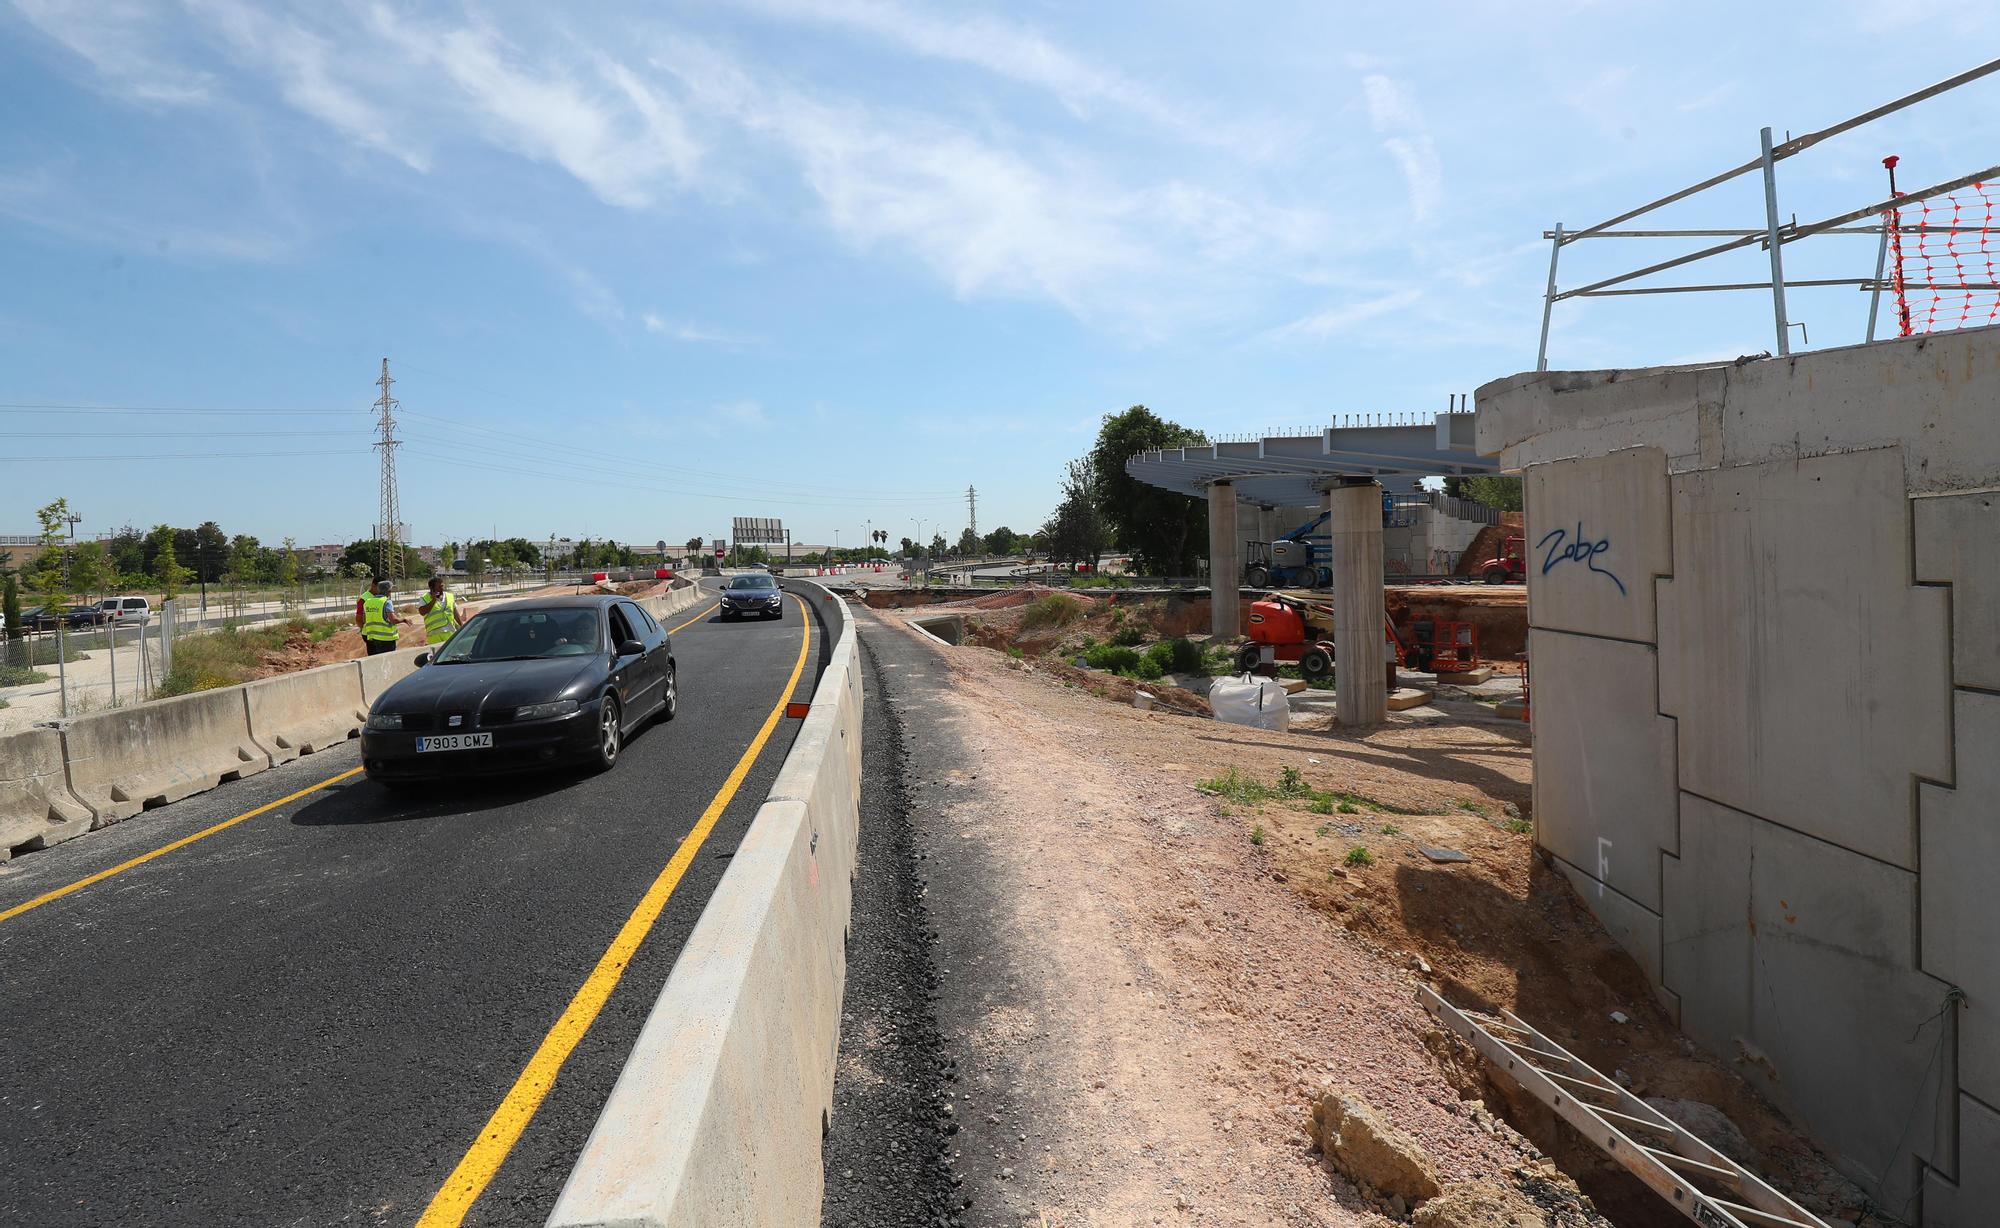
x=697, y=618
x=503, y=1129
x=184, y=841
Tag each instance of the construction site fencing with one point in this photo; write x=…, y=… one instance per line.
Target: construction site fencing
x=1934, y=245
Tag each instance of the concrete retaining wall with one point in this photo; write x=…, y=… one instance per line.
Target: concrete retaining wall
x=122, y=761
x=1765, y=610
x=302, y=713
x=36, y=807
x=718, y=1115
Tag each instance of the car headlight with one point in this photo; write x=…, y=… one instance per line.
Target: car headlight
x=385, y=720
x=535, y=712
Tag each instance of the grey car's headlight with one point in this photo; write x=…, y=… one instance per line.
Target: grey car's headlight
x=385, y=720
x=535, y=712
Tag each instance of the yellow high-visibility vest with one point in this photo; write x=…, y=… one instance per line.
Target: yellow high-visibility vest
x=375, y=624
x=442, y=620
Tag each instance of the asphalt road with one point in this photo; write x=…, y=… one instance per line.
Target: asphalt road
x=311, y=1016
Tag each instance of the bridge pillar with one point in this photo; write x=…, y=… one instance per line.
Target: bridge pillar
x=1361, y=694
x=1225, y=562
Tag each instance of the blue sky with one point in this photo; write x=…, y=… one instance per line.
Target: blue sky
x=641, y=271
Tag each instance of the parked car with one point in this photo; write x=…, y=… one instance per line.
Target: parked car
x=757, y=594
x=525, y=685
x=46, y=618
x=126, y=611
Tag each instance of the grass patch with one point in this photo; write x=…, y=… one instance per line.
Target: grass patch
x=1390, y=829
x=1051, y=610
x=1323, y=805
x=1015, y=652
x=1359, y=856
x=1519, y=827
x=225, y=657
x=1236, y=787
x=1322, y=829
x=1257, y=834
x=20, y=675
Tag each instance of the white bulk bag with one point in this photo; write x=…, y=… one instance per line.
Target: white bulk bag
x=1249, y=700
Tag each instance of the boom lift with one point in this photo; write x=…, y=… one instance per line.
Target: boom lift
x=1296, y=560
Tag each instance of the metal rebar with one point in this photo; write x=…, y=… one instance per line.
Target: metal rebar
x=1549, y=298
x=1858, y=282
x=1795, y=145
x=1875, y=294
x=1777, y=249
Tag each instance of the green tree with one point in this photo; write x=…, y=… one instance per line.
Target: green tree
x=968, y=544
x=48, y=568
x=167, y=567
x=1002, y=541
x=127, y=549
x=1495, y=490
x=10, y=607
x=1077, y=532
x=908, y=549
x=87, y=568
x=938, y=546
x=1164, y=532
x=288, y=570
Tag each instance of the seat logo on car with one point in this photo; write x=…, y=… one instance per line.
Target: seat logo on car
x=455, y=721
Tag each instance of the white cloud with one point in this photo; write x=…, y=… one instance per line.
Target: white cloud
x=743, y=413
x=1396, y=119
x=122, y=40
x=695, y=334
x=1343, y=317
x=1011, y=51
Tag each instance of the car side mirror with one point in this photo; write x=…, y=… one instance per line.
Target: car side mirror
x=631, y=648
x=423, y=659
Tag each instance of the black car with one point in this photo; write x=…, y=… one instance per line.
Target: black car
x=525, y=685
x=756, y=593
x=45, y=618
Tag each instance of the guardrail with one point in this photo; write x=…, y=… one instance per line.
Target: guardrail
x=718, y=1114
x=1775, y=233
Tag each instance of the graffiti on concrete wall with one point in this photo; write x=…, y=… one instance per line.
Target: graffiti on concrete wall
x=1563, y=548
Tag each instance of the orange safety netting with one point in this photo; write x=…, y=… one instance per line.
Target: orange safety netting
x=1942, y=259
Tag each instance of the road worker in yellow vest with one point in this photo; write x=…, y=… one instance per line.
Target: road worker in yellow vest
x=376, y=615
x=441, y=613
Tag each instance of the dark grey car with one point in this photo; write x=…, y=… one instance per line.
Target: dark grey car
x=755, y=595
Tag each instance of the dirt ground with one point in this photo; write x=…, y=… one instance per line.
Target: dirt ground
x=300, y=652
x=1232, y=955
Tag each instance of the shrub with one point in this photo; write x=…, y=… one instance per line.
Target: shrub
x=1236, y=787
x=1257, y=834
x=1114, y=657
x=1129, y=635
x=1149, y=669
x=1292, y=783
x=1360, y=856
x=1183, y=656
x=1015, y=652
x=1520, y=827
x=1051, y=610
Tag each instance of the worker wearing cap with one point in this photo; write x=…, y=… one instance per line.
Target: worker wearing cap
x=376, y=616
x=441, y=613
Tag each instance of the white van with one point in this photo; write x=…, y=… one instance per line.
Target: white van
x=125, y=611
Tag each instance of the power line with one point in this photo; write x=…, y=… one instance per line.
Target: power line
x=121, y=434
x=176, y=456
x=33, y=407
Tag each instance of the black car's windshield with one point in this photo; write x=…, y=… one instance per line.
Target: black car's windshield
x=523, y=635
x=743, y=582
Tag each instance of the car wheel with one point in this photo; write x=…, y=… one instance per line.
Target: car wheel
x=610, y=735
x=1496, y=575
x=1248, y=658
x=672, y=702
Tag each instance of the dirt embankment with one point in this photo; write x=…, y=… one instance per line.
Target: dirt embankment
x=1487, y=542
x=1273, y=892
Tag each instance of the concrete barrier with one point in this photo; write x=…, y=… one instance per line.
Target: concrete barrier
x=299, y=714
x=122, y=761
x=718, y=1114
x=36, y=807
x=384, y=670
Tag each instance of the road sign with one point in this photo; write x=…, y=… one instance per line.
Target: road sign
x=719, y=552
x=758, y=531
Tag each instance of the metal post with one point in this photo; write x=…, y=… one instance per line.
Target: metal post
x=1777, y=252
x=1549, y=299
x=113, y=650
x=1875, y=295
x=62, y=672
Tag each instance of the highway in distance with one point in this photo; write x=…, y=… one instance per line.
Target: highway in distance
x=358, y=1007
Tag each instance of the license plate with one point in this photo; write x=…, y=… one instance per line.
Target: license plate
x=456, y=741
